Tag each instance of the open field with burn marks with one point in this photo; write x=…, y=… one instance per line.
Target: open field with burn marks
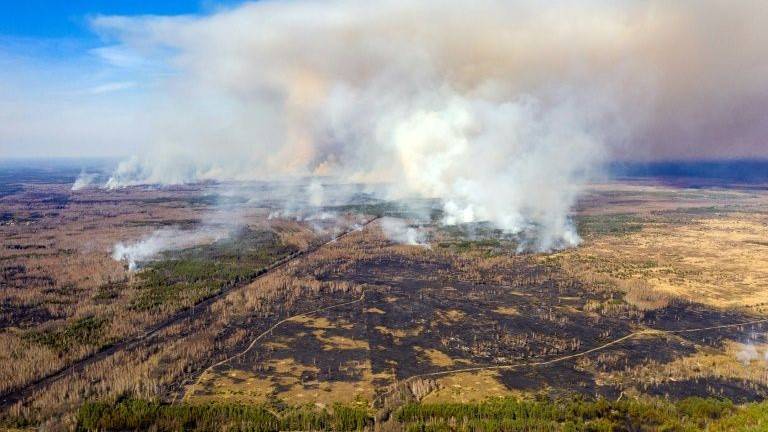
x=502, y=322
x=665, y=299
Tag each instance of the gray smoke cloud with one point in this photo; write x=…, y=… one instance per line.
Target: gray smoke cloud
x=501, y=109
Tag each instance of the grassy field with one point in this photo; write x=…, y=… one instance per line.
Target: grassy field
x=709, y=256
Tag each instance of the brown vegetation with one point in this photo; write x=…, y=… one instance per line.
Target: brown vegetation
x=467, y=303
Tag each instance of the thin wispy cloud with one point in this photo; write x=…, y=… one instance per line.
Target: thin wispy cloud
x=120, y=57
x=112, y=87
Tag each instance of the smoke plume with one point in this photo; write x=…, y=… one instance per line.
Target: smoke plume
x=162, y=240
x=501, y=109
x=747, y=354
x=399, y=231
x=84, y=180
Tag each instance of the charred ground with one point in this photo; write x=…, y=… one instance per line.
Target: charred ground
x=648, y=307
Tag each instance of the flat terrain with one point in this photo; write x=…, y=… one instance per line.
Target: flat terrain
x=665, y=299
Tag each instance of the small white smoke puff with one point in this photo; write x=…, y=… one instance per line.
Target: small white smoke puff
x=400, y=232
x=747, y=354
x=159, y=241
x=315, y=191
x=84, y=180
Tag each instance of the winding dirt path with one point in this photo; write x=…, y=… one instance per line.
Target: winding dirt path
x=652, y=332
x=21, y=393
x=250, y=346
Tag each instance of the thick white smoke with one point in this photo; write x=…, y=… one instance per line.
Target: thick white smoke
x=501, y=108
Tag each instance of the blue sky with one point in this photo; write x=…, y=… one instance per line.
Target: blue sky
x=68, y=18
x=58, y=75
